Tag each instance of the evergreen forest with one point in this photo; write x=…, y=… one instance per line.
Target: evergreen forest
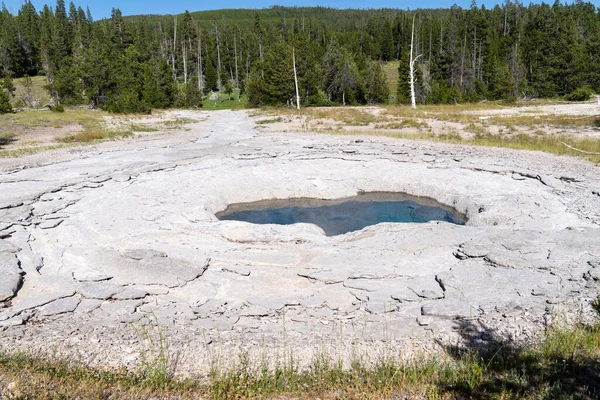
x=137, y=63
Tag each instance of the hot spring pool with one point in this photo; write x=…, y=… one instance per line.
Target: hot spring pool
x=340, y=216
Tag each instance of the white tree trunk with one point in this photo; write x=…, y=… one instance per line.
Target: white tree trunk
x=200, y=75
x=218, y=59
x=411, y=77
x=184, y=55
x=296, y=79
x=174, y=50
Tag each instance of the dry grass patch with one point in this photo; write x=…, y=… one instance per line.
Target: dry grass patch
x=546, y=120
x=349, y=116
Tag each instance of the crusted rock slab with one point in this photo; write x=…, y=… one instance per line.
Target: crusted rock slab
x=60, y=306
x=10, y=275
x=99, y=291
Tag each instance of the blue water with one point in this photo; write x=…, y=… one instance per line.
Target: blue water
x=336, y=218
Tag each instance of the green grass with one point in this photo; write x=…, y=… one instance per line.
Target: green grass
x=563, y=364
x=142, y=128
x=27, y=151
x=88, y=119
x=38, y=92
x=223, y=103
x=269, y=121
x=178, y=122
x=391, y=72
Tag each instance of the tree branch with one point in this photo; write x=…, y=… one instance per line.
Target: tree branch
x=581, y=151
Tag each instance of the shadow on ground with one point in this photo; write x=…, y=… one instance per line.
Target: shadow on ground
x=565, y=365
x=6, y=139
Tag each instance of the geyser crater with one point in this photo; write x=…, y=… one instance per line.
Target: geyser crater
x=339, y=216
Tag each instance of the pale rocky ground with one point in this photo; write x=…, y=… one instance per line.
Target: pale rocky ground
x=108, y=246
x=492, y=119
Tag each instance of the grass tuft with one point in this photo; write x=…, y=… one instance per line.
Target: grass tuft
x=94, y=136
x=27, y=151
x=269, y=121
x=142, y=128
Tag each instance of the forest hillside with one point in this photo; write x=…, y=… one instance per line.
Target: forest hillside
x=136, y=63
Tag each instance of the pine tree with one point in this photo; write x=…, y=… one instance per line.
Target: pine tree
x=403, y=93
x=272, y=82
x=5, y=106
x=374, y=81
x=346, y=79
x=193, y=96
x=8, y=85
x=66, y=87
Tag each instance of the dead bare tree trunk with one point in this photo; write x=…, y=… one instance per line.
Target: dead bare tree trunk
x=411, y=77
x=184, y=55
x=237, y=87
x=296, y=79
x=462, y=61
x=218, y=58
x=200, y=75
x=174, y=50
x=475, y=52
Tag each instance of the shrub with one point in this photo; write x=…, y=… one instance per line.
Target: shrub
x=580, y=94
x=5, y=106
x=58, y=108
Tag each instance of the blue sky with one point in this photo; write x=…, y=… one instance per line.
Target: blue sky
x=101, y=8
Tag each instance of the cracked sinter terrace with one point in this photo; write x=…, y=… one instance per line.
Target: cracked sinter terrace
x=122, y=235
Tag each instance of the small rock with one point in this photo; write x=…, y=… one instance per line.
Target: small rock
x=424, y=321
